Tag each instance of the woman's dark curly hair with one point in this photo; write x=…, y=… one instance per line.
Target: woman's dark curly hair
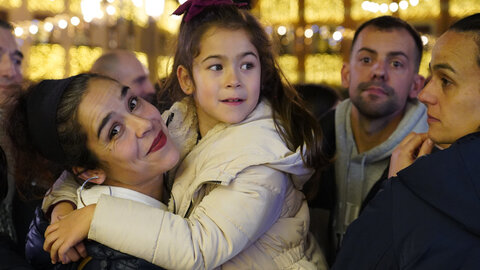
x=30, y=165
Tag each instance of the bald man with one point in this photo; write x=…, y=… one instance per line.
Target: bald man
x=123, y=66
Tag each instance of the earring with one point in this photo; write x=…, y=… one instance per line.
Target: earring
x=83, y=185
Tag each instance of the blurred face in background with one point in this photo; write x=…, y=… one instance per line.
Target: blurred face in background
x=135, y=75
x=10, y=64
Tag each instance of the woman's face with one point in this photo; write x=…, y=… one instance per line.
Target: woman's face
x=452, y=96
x=127, y=134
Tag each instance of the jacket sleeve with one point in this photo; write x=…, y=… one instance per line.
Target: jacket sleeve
x=64, y=189
x=225, y=222
x=34, y=252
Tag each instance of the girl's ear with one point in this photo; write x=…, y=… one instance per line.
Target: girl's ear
x=186, y=82
x=96, y=176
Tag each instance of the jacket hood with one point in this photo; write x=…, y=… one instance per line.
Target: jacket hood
x=182, y=123
x=414, y=119
x=183, y=128
x=449, y=180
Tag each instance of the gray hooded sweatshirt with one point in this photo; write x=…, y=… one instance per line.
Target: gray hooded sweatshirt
x=356, y=173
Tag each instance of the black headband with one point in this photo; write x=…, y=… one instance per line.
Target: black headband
x=42, y=103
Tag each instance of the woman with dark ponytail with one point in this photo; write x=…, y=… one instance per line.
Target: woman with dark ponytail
x=114, y=143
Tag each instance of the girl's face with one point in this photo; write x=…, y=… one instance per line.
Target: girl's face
x=128, y=135
x=226, y=76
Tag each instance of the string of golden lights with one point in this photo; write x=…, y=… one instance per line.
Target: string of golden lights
x=322, y=32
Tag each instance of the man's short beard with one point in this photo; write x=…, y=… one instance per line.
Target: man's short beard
x=372, y=110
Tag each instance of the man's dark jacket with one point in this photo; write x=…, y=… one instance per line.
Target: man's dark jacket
x=426, y=218
x=326, y=197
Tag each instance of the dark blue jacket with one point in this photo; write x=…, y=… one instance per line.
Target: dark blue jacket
x=426, y=218
x=100, y=257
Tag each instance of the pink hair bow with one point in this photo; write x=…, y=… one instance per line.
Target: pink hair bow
x=192, y=8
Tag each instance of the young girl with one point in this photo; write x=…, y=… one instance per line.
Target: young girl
x=246, y=145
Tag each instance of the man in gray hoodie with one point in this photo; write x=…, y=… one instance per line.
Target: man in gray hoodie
x=383, y=82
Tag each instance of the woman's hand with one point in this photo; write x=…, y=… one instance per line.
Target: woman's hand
x=413, y=146
x=62, y=235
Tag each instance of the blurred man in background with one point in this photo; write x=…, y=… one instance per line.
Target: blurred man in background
x=14, y=214
x=123, y=66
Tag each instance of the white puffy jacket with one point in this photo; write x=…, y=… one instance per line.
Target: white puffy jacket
x=235, y=203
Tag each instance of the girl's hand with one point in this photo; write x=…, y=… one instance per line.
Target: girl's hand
x=67, y=232
x=59, y=211
x=410, y=148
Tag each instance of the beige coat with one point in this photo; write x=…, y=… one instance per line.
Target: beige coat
x=236, y=203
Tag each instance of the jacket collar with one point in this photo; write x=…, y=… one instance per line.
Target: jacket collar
x=449, y=180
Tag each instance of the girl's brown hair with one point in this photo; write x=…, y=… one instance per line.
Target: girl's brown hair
x=295, y=124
